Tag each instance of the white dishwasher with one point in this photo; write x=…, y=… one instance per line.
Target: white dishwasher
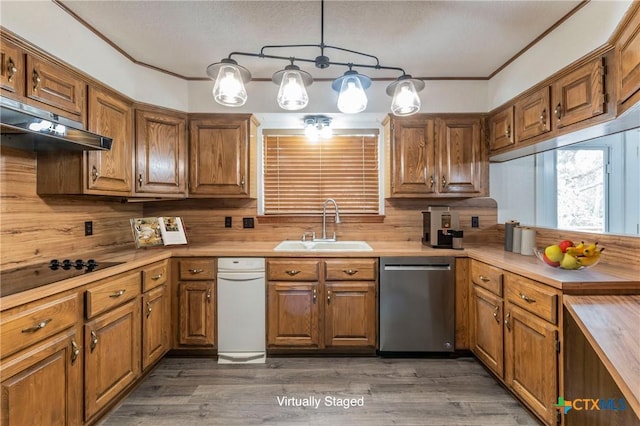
x=241, y=310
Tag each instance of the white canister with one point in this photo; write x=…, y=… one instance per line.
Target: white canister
x=517, y=239
x=528, y=241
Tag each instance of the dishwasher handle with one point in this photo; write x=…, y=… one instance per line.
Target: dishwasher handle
x=240, y=276
x=434, y=267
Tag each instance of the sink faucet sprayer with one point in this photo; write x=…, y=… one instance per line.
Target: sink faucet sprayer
x=324, y=219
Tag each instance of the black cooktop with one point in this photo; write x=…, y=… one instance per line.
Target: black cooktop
x=30, y=277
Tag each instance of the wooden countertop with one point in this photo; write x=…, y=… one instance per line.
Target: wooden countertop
x=610, y=325
x=609, y=280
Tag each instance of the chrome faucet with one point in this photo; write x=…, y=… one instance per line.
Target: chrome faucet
x=324, y=220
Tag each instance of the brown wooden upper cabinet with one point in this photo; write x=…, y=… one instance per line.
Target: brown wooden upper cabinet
x=502, y=129
x=219, y=156
x=579, y=95
x=532, y=115
x=161, y=153
x=628, y=61
x=437, y=157
x=12, y=71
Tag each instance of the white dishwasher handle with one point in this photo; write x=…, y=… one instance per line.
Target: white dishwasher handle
x=240, y=276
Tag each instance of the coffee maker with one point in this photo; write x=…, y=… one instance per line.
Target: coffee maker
x=437, y=221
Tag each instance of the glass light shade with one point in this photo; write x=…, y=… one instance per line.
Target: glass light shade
x=326, y=131
x=292, y=94
x=351, y=98
x=311, y=132
x=405, y=99
x=229, y=89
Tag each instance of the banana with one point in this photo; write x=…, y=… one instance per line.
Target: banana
x=591, y=250
x=577, y=250
x=589, y=260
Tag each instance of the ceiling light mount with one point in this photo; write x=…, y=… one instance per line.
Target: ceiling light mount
x=230, y=79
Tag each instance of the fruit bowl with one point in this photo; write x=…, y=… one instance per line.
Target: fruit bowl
x=577, y=266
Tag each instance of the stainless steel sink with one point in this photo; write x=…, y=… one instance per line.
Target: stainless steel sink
x=323, y=246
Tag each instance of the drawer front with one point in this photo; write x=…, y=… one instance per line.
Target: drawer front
x=487, y=277
x=197, y=269
x=112, y=292
x=293, y=270
x=39, y=321
x=534, y=297
x=351, y=269
x=154, y=276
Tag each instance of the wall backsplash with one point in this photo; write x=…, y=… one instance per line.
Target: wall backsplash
x=204, y=220
x=35, y=229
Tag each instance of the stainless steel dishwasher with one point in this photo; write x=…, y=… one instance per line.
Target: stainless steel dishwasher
x=417, y=297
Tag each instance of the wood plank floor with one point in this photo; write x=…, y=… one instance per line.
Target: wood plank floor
x=399, y=391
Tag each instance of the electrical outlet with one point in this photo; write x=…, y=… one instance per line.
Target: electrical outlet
x=88, y=228
x=227, y=222
x=475, y=222
x=247, y=222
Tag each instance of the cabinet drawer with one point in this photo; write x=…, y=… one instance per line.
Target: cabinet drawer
x=197, y=269
x=350, y=269
x=487, y=277
x=531, y=296
x=112, y=292
x=23, y=327
x=293, y=270
x=154, y=275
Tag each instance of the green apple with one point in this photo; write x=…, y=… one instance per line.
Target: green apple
x=569, y=262
x=554, y=253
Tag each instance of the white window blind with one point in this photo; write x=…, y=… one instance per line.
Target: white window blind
x=300, y=175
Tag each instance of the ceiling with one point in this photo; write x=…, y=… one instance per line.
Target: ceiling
x=429, y=39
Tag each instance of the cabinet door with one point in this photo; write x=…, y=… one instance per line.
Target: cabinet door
x=293, y=314
x=413, y=162
x=43, y=385
x=487, y=330
x=218, y=158
x=112, y=355
x=531, y=361
x=55, y=86
x=628, y=58
x=110, y=171
x=580, y=94
x=12, y=69
x=532, y=115
x=502, y=130
x=196, y=311
x=460, y=156
x=161, y=152
x=156, y=323
x=350, y=314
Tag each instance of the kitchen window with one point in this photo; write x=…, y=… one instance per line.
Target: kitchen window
x=298, y=175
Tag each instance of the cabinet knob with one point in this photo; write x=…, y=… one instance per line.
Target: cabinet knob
x=209, y=296
x=431, y=181
x=94, y=340
x=507, y=132
x=558, y=111
x=315, y=295
x=94, y=173
x=242, y=182
x=38, y=326
x=507, y=321
x=496, y=311
x=140, y=179
x=11, y=70
x=36, y=80
x=328, y=296
x=148, y=309
x=444, y=181
x=543, y=117
x=75, y=351
x=117, y=294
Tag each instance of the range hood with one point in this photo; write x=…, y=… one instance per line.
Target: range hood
x=34, y=129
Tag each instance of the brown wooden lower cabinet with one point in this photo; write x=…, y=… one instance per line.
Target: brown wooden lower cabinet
x=42, y=385
x=487, y=331
x=293, y=314
x=349, y=315
x=156, y=323
x=112, y=355
x=196, y=311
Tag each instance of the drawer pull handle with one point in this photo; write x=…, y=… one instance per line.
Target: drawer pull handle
x=156, y=277
x=94, y=340
x=527, y=298
x=315, y=295
x=444, y=181
x=75, y=351
x=148, y=309
x=431, y=182
x=558, y=111
x=293, y=272
x=37, y=327
x=208, y=296
x=196, y=271
x=484, y=279
x=543, y=117
x=36, y=80
x=328, y=296
x=496, y=310
x=94, y=174
x=507, y=321
x=507, y=132
x=117, y=294
x=350, y=271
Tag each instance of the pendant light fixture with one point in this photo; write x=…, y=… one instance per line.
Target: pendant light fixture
x=317, y=127
x=230, y=78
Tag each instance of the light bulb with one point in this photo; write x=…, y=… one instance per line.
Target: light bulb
x=405, y=99
x=352, y=98
x=229, y=89
x=326, y=132
x=292, y=94
x=311, y=132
